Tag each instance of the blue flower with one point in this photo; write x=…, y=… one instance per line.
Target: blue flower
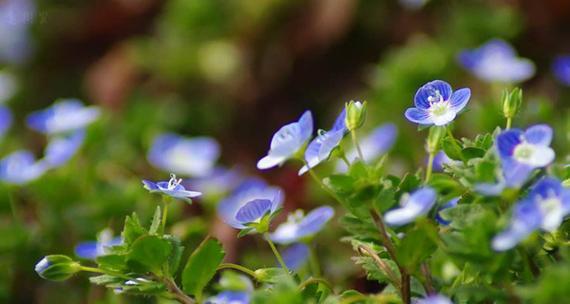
x=171, y=188
x=436, y=104
x=219, y=182
x=322, y=146
x=16, y=16
x=450, y=204
x=523, y=151
x=295, y=256
x=288, y=141
x=298, y=226
x=545, y=207
x=230, y=297
x=248, y=191
x=497, y=61
x=377, y=143
x=561, y=69
x=184, y=156
x=440, y=160
x=63, y=116
x=434, y=299
x=5, y=119
x=417, y=204
x=21, y=167
x=60, y=149
x=92, y=250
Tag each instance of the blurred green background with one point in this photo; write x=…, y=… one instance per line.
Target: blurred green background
x=237, y=71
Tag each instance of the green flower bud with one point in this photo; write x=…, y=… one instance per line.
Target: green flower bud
x=512, y=102
x=435, y=136
x=57, y=267
x=269, y=274
x=355, y=115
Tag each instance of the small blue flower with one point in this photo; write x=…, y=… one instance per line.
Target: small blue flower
x=377, y=143
x=434, y=299
x=295, y=256
x=298, y=226
x=185, y=156
x=561, y=69
x=230, y=297
x=63, y=116
x=171, y=188
x=92, y=250
x=253, y=211
x=7, y=86
x=16, y=17
x=417, y=204
x=288, y=141
x=437, y=104
x=321, y=147
x=248, y=191
x=440, y=160
x=61, y=149
x=545, y=207
x=497, y=61
x=5, y=120
x=21, y=167
x=523, y=151
x=450, y=204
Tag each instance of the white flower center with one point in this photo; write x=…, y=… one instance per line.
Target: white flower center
x=523, y=152
x=173, y=182
x=552, y=212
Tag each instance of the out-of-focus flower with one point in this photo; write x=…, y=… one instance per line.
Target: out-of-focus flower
x=248, y=191
x=450, y=204
x=16, y=17
x=440, y=160
x=288, y=141
x=497, y=61
x=377, y=143
x=434, y=299
x=437, y=104
x=7, y=86
x=322, y=146
x=60, y=149
x=5, y=119
x=171, y=188
x=298, y=226
x=93, y=249
x=219, y=182
x=295, y=256
x=546, y=206
x=63, y=116
x=184, y=156
x=56, y=267
x=417, y=204
x=561, y=69
x=21, y=167
x=230, y=297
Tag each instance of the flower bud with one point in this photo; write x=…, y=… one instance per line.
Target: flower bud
x=435, y=136
x=512, y=102
x=355, y=114
x=269, y=274
x=57, y=267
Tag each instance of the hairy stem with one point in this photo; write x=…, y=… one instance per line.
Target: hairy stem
x=312, y=280
x=178, y=294
x=356, y=145
x=276, y=253
x=429, y=167
x=237, y=267
x=381, y=264
x=428, y=284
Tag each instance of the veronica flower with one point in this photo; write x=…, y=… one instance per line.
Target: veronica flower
x=561, y=69
x=92, y=250
x=63, y=116
x=440, y=160
x=248, y=191
x=184, y=156
x=417, y=204
x=434, y=299
x=62, y=148
x=377, y=143
x=230, y=297
x=289, y=140
x=298, y=226
x=545, y=207
x=171, y=188
x=322, y=146
x=5, y=119
x=497, y=61
x=15, y=19
x=437, y=104
x=295, y=256
x=20, y=168
x=450, y=204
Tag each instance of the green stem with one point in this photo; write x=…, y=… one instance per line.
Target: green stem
x=101, y=271
x=178, y=294
x=164, y=215
x=276, y=253
x=314, y=262
x=344, y=159
x=356, y=145
x=14, y=206
x=311, y=280
x=327, y=189
x=429, y=167
x=237, y=267
x=509, y=122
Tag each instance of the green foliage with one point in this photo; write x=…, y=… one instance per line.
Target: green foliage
x=201, y=266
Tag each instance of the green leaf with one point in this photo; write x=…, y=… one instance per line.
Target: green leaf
x=156, y=220
x=340, y=183
x=409, y=183
x=201, y=266
x=133, y=229
x=113, y=262
x=452, y=150
x=176, y=255
x=472, y=152
x=416, y=246
x=150, y=253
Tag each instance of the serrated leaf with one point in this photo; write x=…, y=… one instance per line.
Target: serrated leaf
x=113, y=262
x=416, y=246
x=149, y=253
x=176, y=254
x=132, y=229
x=201, y=266
x=472, y=152
x=156, y=221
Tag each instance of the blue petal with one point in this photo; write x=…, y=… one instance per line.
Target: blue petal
x=418, y=116
x=539, y=135
x=295, y=256
x=439, y=160
x=5, y=119
x=306, y=125
x=315, y=221
x=515, y=173
x=61, y=149
x=526, y=219
x=434, y=299
x=339, y=123
x=87, y=250
x=230, y=297
x=450, y=204
x=419, y=203
x=459, y=99
x=321, y=148
x=546, y=187
x=507, y=141
x=150, y=186
x=21, y=167
x=490, y=189
x=63, y=116
x=253, y=210
x=429, y=90
x=561, y=69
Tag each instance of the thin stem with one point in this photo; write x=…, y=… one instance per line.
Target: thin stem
x=312, y=280
x=429, y=167
x=314, y=262
x=344, y=159
x=381, y=264
x=355, y=143
x=327, y=189
x=237, y=267
x=178, y=294
x=276, y=253
x=509, y=122
x=164, y=215
x=428, y=285
x=101, y=271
